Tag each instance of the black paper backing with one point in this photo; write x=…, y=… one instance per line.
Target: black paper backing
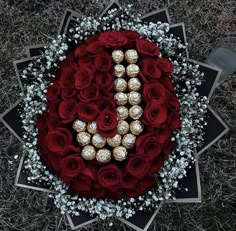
x=189, y=182
x=13, y=119
x=159, y=16
x=213, y=129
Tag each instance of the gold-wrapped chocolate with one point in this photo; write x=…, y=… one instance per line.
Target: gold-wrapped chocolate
x=131, y=56
x=132, y=70
x=114, y=141
x=128, y=141
x=119, y=70
x=120, y=84
x=88, y=152
x=83, y=138
x=79, y=126
x=134, y=84
x=135, y=112
x=92, y=127
x=136, y=127
x=134, y=98
x=103, y=155
x=117, y=56
x=121, y=98
x=123, y=127
x=98, y=141
x=120, y=153
x=122, y=112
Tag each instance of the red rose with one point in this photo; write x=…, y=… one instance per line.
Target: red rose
x=54, y=107
x=70, y=167
x=107, y=123
x=89, y=93
x=84, y=76
x=105, y=80
x=154, y=114
x=168, y=147
x=149, y=145
x=129, y=181
x=172, y=101
x=109, y=177
x=113, y=39
x=103, y=62
x=106, y=103
x=149, y=70
x=80, y=51
x=165, y=65
x=174, y=120
x=156, y=165
x=137, y=165
x=80, y=184
x=42, y=121
x=163, y=133
x=85, y=60
x=146, y=184
x=67, y=77
x=132, y=36
x=53, y=161
x=68, y=92
x=69, y=62
x=58, y=140
x=53, y=122
x=146, y=48
x=53, y=91
x=95, y=47
x=71, y=149
x=96, y=192
x=154, y=92
x=167, y=83
x=87, y=112
x=67, y=110
x=92, y=38
x=91, y=171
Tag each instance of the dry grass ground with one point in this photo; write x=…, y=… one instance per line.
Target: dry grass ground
x=24, y=22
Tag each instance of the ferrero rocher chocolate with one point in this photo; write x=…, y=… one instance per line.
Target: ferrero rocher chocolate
x=136, y=127
x=117, y=56
x=134, y=84
x=79, y=126
x=121, y=98
x=119, y=70
x=88, y=152
x=123, y=112
x=120, y=153
x=132, y=70
x=92, y=127
x=114, y=141
x=103, y=155
x=131, y=56
x=98, y=141
x=128, y=141
x=123, y=127
x=83, y=138
x=135, y=112
x=120, y=84
x=134, y=98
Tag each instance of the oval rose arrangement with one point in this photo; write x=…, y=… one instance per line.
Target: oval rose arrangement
x=114, y=103
x=84, y=89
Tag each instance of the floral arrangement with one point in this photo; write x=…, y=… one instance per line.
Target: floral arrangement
x=112, y=116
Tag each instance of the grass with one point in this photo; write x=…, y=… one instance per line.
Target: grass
x=25, y=22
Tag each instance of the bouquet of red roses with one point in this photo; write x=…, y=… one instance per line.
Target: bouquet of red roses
x=112, y=116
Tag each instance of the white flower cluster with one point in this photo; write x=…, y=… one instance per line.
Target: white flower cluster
x=193, y=108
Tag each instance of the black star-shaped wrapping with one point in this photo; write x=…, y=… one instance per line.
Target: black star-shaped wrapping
x=215, y=129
